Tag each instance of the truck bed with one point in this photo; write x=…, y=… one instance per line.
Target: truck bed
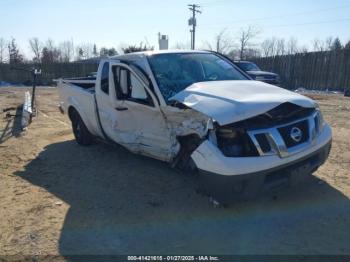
x=79, y=93
x=83, y=82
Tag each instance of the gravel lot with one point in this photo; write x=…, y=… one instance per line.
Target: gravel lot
x=60, y=198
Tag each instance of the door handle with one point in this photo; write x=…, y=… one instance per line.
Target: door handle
x=121, y=108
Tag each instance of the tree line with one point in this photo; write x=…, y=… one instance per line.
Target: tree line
x=49, y=52
x=244, y=45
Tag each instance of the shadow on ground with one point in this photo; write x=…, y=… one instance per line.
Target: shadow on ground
x=121, y=203
x=13, y=126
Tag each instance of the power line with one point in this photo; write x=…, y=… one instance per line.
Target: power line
x=274, y=17
x=306, y=23
x=215, y=3
x=194, y=8
x=312, y=23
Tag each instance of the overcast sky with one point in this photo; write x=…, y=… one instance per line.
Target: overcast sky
x=113, y=22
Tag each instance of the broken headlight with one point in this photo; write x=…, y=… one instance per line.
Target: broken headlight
x=235, y=143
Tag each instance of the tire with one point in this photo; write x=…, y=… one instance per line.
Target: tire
x=80, y=131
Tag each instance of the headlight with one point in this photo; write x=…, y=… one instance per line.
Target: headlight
x=259, y=78
x=253, y=77
x=235, y=143
x=319, y=121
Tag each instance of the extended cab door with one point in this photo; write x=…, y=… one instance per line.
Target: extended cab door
x=130, y=114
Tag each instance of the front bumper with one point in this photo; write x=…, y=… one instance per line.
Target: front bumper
x=226, y=189
x=241, y=177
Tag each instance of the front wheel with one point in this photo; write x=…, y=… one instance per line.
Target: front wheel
x=80, y=131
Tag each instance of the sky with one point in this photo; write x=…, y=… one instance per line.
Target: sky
x=117, y=23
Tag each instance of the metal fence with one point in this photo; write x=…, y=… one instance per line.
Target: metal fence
x=317, y=70
x=49, y=72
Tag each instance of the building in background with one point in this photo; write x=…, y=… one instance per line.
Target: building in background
x=163, y=41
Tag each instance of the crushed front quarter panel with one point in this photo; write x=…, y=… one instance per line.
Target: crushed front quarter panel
x=183, y=122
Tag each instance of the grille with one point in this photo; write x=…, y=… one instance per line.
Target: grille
x=284, y=140
x=263, y=142
x=286, y=133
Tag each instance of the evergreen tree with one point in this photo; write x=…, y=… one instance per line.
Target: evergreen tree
x=94, y=51
x=134, y=48
x=336, y=45
x=14, y=55
x=112, y=52
x=108, y=51
x=347, y=46
x=80, y=53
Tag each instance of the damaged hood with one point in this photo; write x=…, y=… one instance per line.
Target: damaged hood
x=232, y=101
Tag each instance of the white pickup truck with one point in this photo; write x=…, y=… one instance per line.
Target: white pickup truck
x=199, y=112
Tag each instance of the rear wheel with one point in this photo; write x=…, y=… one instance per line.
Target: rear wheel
x=80, y=131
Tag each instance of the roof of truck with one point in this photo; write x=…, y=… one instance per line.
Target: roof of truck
x=148, y=53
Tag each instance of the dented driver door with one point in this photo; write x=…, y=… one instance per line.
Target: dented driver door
x=137, y=122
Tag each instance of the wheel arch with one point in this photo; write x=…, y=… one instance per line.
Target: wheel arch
x=73, y=109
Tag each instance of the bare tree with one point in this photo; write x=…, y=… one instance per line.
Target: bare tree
x=36, y=48
x=50, y=45
x=329, y=42
x=49, y=53
x=67, y=50
x=2, y=50
x=318, y=45
x=250, y=53
x=281, y=47
x=292, y=46
x=245, y=38
x=304, y=49
x=268, y=47
x=223, y=43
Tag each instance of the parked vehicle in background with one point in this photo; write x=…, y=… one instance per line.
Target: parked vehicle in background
x=257, y=74
x=347, y=92
x=197, y=111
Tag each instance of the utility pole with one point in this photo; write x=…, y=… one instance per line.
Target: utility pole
x=192, y=21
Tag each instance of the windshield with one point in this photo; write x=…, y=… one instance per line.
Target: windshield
x=175, y=72
x=249, y=66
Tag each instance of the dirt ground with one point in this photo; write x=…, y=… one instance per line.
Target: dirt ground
x=57, y=197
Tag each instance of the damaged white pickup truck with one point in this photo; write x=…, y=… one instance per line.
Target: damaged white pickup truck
x=199, y=112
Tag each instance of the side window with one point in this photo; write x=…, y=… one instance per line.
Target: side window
x=137, y=89
x=129, y=87
x=105, y=78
